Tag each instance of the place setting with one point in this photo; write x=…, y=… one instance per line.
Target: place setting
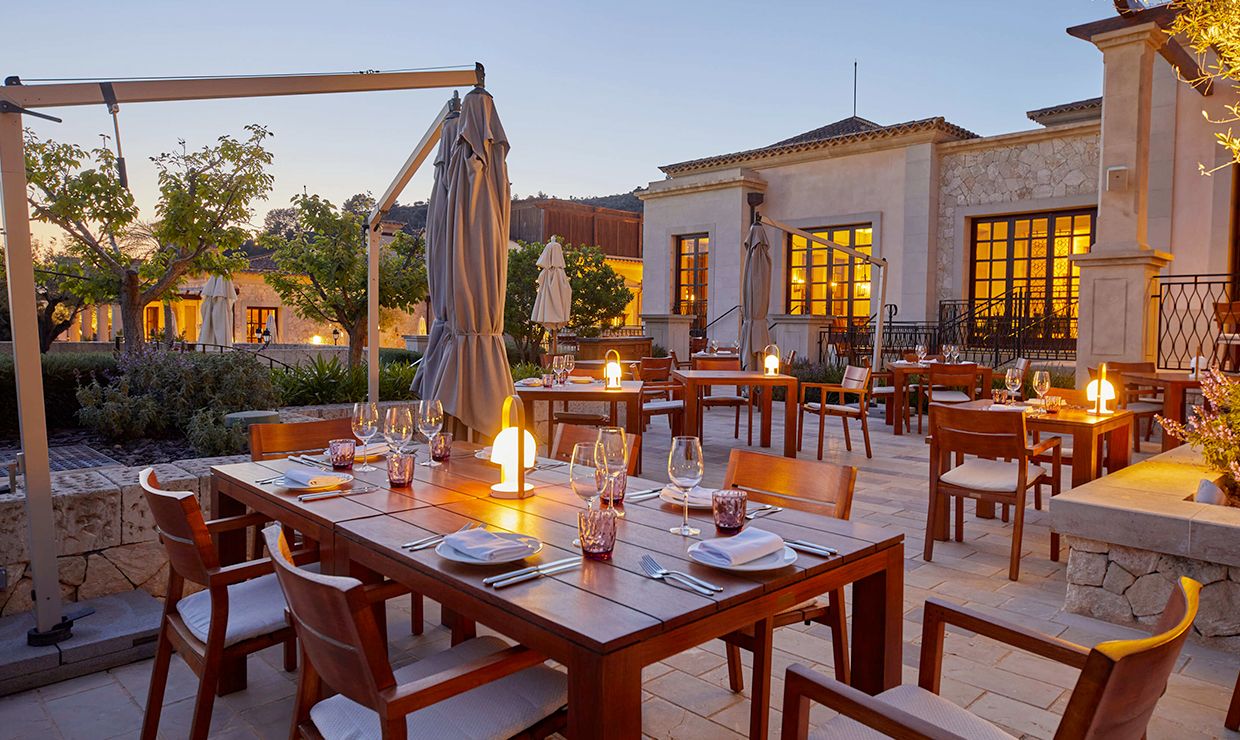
x=473, y=544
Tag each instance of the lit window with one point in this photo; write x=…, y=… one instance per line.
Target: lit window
x=256, y=320
x=692, y=263
x=836, y=283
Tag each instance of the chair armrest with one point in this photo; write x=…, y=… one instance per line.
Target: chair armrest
x=410, y=697
x=802, y=685
x=231, y=523
x=377, y=592
x=939, y=613
x=230, y=574
x=1044, y=446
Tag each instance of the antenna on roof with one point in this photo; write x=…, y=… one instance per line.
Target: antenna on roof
x=854, y=88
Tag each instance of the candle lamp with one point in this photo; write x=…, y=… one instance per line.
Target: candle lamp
x=514, y=450
x=1099, y=391
x=611, y=371
x=770, y=360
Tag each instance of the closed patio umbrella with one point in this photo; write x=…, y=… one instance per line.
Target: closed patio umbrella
x=438, y=276
x=474, y=377
x=271, y=327
x=755, y=294
x=218, y=297
x=554, y=300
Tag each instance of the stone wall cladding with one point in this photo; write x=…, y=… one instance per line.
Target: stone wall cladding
x=1007, y=173
x=1127, y=585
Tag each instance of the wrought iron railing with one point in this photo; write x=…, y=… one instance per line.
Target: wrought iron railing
x=1188, y=315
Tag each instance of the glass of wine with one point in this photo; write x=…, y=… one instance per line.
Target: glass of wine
x=429, y=418
x=398, y=427
x=1013, y=380
x=685, y=469
x=613, y=461
x=557, y=368
x=1041, y=386
x=365, y=427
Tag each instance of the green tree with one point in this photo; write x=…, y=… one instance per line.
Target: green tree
x=204, y=207
x=599, y=295
x=64, y=287
x=321, y=269
x=1211, y=28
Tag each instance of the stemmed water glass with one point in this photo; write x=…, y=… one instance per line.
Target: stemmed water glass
x=1013, y=380
x=583, y=476
x=557, y=368
x=570, y=362
x=612, y=458
x=1041, y=386
x=685, y=470
x=429, y=418
x=920, y=351
x=398, y=427
x=365, y=427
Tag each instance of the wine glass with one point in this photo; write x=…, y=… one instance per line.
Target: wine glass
x=583, y=477
x=714, y=347
x=685, y=470
x=1013, y=380
x=429, y=418
x=398, y=427
x=365, y=427
x=920, y=351
x=570, y=362
x=612, y=457
x=1041, y=385
x=557, y=368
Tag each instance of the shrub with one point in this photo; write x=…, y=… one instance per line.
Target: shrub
x=155, y=392
x=395, y=379
x=658, y=350
x=210, y=436
x=326, y=380
x=813, y=372
x=524, y=370
x=388, y=355
x=62, y=375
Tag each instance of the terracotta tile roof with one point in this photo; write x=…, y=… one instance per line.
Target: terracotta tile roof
x=260, y=259
x=1077, y=110
x=844, y=131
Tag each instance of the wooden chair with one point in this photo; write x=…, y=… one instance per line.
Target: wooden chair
x=678, y=363
x=567, y=436
x=585, y=418
x=481, y=687
x=1073, y=397
x=655, y=373
x=1001, y=469
x=277, y=441
x=1114, y=696
x=950, y=384
x=882, y=386
x=856, y=382
x=1227, y=319
x=1232, y=722
x=816, y=487
x=1139, y=399
x=725, y=400
x=240, y=612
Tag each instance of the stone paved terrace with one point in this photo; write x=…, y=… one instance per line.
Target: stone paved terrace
x=686, y=696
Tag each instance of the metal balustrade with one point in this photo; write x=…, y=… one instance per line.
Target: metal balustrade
x=1188, y=322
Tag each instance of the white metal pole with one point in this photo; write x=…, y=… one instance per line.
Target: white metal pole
x=28, y=369
x=372, y=311
x=876, y=364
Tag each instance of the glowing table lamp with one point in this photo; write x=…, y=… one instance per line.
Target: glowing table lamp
x=770, y=360
x=514, y=450
x=1100, y=391
x=612, y=372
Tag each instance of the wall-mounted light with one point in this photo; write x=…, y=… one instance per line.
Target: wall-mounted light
x=770, y=360
x=1100, y=391
x=316, y=339
x=514, y=450
x=611, y=371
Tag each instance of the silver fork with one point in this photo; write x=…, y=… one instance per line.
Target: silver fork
x=763, y=512
x=659, y=574
x=704, y=584
x=435, y=540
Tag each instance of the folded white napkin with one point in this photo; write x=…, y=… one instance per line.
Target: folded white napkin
x=1005, y=407
x=742, y=548
x=699, y=496
x=904, y=363
x=313, y=477
x=373, y=449
x=484, y=545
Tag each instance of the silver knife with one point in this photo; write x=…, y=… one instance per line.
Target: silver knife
x=537, y=574
x=807, y=543
x=638, y=496
x=811, y=549
x=307, y=460
x=306, y=497
x=514, y=573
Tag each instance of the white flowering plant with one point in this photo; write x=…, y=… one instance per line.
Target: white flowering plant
x=1214, y=427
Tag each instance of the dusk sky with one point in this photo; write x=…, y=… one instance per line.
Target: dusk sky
x=594, y=97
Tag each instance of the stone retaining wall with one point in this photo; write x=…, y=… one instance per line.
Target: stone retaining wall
x=1124, y=584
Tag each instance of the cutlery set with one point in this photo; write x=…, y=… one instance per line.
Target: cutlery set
x=532, y=572
x=338, y=493
x=652, y=569
x=435, y=539
x=811, y=548
x=766, y=509
x=646, y=495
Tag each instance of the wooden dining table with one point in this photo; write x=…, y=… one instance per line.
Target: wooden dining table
x=605, y=620
x=1175, y=385
x=900, y=373
x=629, y=394
x=696, y=381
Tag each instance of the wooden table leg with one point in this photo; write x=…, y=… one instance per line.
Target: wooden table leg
x=1084, y=457
x=693, y=422
x=229, y=545
x=877, y=622
x=604, y=696
x=767, y=393
x=899, y=400
x=790, y=419
x=633, y=423
x=1119, y=447
x=760, y=703
x=1173, y=408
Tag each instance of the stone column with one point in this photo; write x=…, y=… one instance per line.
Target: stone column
x=1117, y=318
x=796, y=332
x=116, y=326
x=670, y=331
x=74, y=334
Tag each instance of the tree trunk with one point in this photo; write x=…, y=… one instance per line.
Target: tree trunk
x=357, y=342
x=131, y=312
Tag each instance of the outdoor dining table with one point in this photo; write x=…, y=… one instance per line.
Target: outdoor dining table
x=605, y=620
x=1175, y=386
x=695, y=381
x=900, y=372
x=629, y=393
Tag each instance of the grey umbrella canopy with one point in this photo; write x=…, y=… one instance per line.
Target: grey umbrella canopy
x=437, y=275
x=474, y=377
x=554, y=300
x=755, y=294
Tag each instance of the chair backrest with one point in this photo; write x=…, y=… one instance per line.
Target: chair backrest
x=962, y=377
x=791, y=359
x=655, y=369
x=808, y=485
x=719, y=362
x=993, y=434
x=1073, y=396
x=598, y=372
x=271, y=441
x=1023, y=365
x=567, y=436
x=335, y=623
x=1227, y=316
x=182, y=529
x=855, y=377
x=1123, y=679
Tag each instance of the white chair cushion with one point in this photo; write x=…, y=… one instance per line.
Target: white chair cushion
x=939, y=396
x=722, y=398
x=1228, y=338
x=990, y=475
x=882, y=390
x=836, y=407
x=658, y=407
x=255, y=607
x=501, y=708
x=921, y=703
x=1144, y=407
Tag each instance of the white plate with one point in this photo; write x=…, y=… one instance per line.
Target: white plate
x=677, y=500
x=446, y=551
x=774, y=561
x=484, y=454
x=285, y=483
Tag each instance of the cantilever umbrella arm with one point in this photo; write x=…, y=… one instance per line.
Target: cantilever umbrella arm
x=879, y=262
x=17, y=99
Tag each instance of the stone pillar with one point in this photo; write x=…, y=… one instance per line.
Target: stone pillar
x=74, y=334
x=670, y=331
x=796, y=332
x=1117, y=318
x=116, y=326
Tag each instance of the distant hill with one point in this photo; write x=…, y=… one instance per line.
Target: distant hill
x=620, y=201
